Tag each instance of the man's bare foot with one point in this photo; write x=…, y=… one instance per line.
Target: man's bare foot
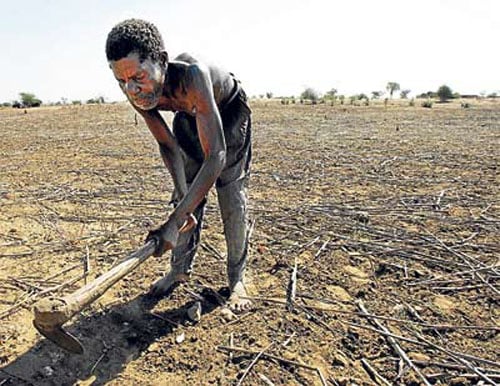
x=238, y=300
x=165, y=285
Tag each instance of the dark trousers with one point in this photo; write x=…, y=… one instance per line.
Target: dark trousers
x=231, y=186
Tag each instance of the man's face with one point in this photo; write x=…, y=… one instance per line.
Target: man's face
x=140, y=80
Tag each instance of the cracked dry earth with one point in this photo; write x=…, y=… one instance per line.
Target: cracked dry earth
x=391, y=212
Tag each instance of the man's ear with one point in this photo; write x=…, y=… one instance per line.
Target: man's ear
x=163, y=58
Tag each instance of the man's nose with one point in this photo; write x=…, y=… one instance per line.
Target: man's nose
x=132, y=88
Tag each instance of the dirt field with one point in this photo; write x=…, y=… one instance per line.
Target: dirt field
x=393, y=212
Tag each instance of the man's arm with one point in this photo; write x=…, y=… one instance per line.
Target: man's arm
x=169, y=149
x=211, y=135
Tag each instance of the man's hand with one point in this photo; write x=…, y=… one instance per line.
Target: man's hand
x=166, y=236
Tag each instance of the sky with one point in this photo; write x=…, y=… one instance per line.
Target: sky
x=55, y=49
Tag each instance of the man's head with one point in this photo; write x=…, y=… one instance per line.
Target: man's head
x=137, y=57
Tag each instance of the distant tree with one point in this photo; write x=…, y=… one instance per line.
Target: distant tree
x=404, y=93
x=311, y=94
x=6, y=104
x=76, y=102
x=332, y=93
x=362, y=96
x=391, y=87
x=444, y=93
x=341, y=99
x=29, y=99
x=97, y=100
x=428, y=94
x=269, y=95
x=377, y=94
x=492, y=95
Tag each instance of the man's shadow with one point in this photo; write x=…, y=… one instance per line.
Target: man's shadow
x=112, y=338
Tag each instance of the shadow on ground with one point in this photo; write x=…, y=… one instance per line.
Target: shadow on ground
x=112, y=339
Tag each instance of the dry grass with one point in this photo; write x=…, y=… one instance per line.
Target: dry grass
x=391, y=211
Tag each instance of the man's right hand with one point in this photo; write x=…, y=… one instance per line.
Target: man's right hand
x=166, y=236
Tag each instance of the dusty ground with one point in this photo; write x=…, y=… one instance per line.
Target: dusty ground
x=395, y=207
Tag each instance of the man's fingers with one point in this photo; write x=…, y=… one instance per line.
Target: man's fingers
x=189, y=224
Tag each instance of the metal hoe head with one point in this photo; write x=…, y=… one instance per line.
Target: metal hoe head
x=61, y=337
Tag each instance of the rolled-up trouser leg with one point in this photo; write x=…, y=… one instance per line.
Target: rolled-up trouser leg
x=233, y=206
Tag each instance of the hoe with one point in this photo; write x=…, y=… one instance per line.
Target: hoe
x=52, y=312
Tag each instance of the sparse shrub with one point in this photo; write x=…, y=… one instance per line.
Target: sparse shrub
x=427, y=104
x=386, y=101
x=377, y=94
x=332, y=96
x=29, y=99
x=98, y=100
x=269, y=95
x=293, y=101
x=76, y=102
x=311, y=94
x=341, y=99
x=404, y=93
x=412, y=102
x=352, y=99
x=366, y=102
x=6, y=104
x=444, y=93
x=428, y=94
x=465, y=105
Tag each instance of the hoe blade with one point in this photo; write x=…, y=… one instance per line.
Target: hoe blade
x=61, y=338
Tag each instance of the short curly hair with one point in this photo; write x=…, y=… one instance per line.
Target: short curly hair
x=134, y=35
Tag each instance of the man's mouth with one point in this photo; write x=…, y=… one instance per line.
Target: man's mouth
x=143, y=101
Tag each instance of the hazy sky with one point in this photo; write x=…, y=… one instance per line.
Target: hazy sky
x=55, y=49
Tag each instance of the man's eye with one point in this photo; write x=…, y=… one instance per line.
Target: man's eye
x=140, y=76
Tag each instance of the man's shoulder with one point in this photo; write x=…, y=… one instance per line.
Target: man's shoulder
x=186, y=57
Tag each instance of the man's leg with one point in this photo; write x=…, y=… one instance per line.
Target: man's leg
x=182, y=258
x=232, y=197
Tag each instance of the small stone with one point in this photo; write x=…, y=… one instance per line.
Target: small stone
x=47, y=371
x=227, y=314
x=339, y=359
x=194, y=312
x=416, y=356
x=399, y=310
x=339, y=293
x=458, y=381
x=180, y=338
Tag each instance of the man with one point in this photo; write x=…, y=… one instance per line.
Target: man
x=209, y=144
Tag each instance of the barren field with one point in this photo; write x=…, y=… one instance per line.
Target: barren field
x=390, y=215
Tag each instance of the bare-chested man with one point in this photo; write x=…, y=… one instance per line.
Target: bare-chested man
x=209, y=144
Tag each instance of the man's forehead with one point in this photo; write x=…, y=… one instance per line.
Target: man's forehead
x=132, y=60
